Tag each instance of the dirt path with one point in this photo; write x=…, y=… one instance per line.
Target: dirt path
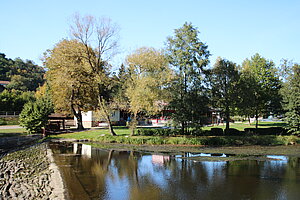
x=10, y=127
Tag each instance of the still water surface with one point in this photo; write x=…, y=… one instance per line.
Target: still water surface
x=92, y=173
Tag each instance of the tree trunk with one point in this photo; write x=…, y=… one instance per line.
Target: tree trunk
x=110, y=128
x=227, y=117
x=106, y=114
x=256, y=118
x=182, y=127
x=78, y=116
x=133, y=124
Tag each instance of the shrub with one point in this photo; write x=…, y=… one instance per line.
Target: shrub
x=216, y=141
x=277, y=131
x=250, y=131
x=216, y=131
x=158, y=132
x=34, y=115
x=266, y=131
x=233, y=132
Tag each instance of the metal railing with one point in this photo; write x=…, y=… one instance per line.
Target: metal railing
x=9, y=113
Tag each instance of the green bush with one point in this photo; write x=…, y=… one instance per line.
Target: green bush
x=158, y=132
x=216, y=141
x=34, y=115
x=266, y=131
x=233, y=132
x=216, y=131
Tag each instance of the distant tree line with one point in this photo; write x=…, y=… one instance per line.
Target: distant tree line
x=24, y=78
x=23, y=75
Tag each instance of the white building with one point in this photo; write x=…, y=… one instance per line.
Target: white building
x=90, y=119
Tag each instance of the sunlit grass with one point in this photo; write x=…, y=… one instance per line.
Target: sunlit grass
x=12, y=132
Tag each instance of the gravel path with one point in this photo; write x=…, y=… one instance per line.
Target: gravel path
x=10, y=127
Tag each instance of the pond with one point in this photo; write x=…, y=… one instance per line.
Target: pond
x=92, y=173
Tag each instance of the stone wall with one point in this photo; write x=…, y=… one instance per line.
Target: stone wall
x=30, y=174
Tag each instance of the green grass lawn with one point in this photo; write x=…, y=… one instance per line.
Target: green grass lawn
x=11, y=132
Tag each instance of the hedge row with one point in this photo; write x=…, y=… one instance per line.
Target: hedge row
x=209, y=140
x=214, y=132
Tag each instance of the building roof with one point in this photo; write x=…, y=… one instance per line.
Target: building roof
x=58, y=116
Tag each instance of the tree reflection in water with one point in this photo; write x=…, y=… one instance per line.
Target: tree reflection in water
x=92, y=173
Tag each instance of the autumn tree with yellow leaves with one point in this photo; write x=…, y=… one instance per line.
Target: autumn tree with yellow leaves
x=149, y=74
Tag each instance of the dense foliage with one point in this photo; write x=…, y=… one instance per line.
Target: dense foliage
x=70, y=80
x=14, y=100
x=23, y=75
x=34, y=115
x=291, y=98
x=148, y=77
x=259, y=88
x=188, y=57
x=224, y=79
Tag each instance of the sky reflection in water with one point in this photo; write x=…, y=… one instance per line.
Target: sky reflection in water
x=108, y=174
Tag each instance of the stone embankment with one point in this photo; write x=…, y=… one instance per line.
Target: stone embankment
x=30, y=174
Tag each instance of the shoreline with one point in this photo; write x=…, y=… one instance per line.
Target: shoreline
x=59, y=191
x=287, y=150
x=31, y=173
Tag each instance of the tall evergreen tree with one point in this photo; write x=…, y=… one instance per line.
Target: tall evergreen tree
x=291, y=98
x=188, y=56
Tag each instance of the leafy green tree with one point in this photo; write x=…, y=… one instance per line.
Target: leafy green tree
x=260, y=85
x=149, y=74
x=34, y=115
x=188, y=56
x=224, y=82
x=70, y=79
x=119, y=98
x=291, y=98
x=14, y=100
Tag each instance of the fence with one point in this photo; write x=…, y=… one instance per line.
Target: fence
x=9, y=113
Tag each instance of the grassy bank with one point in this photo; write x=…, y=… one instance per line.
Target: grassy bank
x=12, y=132
x=123, y=137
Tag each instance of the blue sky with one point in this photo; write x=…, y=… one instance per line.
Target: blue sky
x=232, y=29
